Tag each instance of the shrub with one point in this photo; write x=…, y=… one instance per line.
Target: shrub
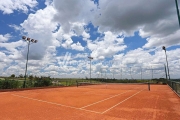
x=43, y=81
x=9, y=84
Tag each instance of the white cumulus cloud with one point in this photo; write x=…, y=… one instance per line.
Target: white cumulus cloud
x=8, y=6
x=5, y=38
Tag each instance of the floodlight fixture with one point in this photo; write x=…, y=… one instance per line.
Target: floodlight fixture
x=32, y=40
x=164, y=48
x=90, y=58
x=28, y=39
x=23, y=37
x=35, y=41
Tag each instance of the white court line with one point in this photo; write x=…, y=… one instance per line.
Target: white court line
x=120, y=102
x=104, y=99
x=55, y=103
x=3, y=93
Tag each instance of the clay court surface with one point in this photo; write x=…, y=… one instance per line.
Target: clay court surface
x=122, y=102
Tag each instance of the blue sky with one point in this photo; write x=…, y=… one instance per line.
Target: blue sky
x=123, y=38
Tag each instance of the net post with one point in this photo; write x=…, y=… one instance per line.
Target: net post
x=148, y=86
x=76, y=83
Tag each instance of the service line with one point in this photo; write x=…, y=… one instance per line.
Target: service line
x=55, y=103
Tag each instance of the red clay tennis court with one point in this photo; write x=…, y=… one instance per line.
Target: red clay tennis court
x=101, y=102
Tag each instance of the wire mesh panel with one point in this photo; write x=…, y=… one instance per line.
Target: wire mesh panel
x=175, y=86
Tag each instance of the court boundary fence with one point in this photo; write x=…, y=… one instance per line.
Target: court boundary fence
x=175, y=85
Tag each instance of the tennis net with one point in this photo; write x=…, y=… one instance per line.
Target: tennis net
x=120, y=86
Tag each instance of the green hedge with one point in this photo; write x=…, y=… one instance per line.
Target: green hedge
x=14, y=84
x=39, y=82
x=42, y=83
x=9, y=84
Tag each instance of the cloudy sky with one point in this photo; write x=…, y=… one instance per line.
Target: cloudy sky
x=124, y=37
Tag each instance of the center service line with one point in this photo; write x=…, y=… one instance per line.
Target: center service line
x=104, y=100
x=120, y=102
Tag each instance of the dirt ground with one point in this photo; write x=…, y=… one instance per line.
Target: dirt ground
x=88, y=103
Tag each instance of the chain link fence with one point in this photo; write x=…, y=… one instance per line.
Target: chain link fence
x=175, y=85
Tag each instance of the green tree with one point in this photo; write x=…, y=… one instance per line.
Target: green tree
x=13, y=76
x=31, y=77
x=21, y=76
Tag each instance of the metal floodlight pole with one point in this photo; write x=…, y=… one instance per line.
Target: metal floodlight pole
x=165, y=71
x=104, y=77
x=130, y=73
x=29, y=40
x=26, y=63
x=121, y=73
x=177, y=12
x=90, y=58
x=101, y=73
x=90, y=70
x=113, y=72
x=141, y=73
x=164, y=48
x=152, y=72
